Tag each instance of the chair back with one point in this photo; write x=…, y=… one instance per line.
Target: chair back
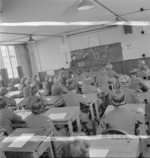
x=71, y=99
x=27, y=92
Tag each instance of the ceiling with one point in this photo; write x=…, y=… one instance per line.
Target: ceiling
x=16, y=11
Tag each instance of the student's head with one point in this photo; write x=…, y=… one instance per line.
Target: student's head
x=37, y=105
x=79, y=72
x=124, y=80
x=34, y=77
x=109, y=66
x=88, y=80
x=47, y=77
x=71, y=84
x=57, y=79
x=103, y=72
x=23, y=80
x=133, y=72
x=75, y=148
x=74, y=57
x=28, y=81
x=118, y=98
x=34, y=89
x=3, y=102
x=3, y=91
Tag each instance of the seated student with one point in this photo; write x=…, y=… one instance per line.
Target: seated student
x=10, y=101
x=7, y=116
x=42, y=122
x=63, y=76
x=75, y=148
x=58, y=88
x=35, y=81
x=110, y=72
x=131, y=95
x=136, y=82
x=78, y=77
x=27, y=89
x=22, y=83
x=47, y=85
x=71, y=84
x=34, y=93
x=120, y=118
x=88, y=88
x=143, y=70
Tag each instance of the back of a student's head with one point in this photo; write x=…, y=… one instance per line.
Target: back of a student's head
x=75, y=149
x=3, y=103
x=3, y=91
x=37, y=105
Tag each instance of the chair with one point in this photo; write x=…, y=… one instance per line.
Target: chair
x=114, y=131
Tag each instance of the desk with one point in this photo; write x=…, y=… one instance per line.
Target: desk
x=144, y=96
x=13, y=93
x=23, y=113
x=54, y=100
x=117, y=147
x=21, y=102
x=72, y=114
x=33, y=148
x=92, y=99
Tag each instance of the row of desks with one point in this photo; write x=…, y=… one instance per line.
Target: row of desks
x=31, y=143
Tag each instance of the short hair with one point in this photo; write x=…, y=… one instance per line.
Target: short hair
x=3, y=91
x=74, y=149
x=36, y=105
x=3, y=102
x=57, y=78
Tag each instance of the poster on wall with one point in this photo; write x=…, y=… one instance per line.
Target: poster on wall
x=50, y=72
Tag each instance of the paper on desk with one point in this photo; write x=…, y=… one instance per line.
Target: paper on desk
x=21, y=140
x=98, y=152
x=58, y=116
x=24, y=115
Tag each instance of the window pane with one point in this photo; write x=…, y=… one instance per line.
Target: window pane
x=11, y=50
x=4, y=51
x=13, y=62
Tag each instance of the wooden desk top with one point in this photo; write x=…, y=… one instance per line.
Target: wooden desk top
x=13, y=93
x=53, y=99
x=136, y=107
x=29, y=146
x=117, y=147
x=23, y=113
x=71, y=112
x=19, y=100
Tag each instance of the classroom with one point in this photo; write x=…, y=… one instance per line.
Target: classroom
x=74, y=78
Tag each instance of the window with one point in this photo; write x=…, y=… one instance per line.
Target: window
x=10, y=61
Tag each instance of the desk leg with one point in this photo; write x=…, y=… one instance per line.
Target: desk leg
x=70, y=128
x=78, y=124
x=96, y=109
x=92, y=113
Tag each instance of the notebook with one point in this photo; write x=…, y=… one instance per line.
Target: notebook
x=58, y=116
x=98, y=152
x=20, y=141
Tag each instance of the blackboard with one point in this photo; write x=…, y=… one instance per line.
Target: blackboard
x=98, y=55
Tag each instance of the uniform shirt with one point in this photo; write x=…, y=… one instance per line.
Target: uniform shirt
x=59, y=89
x=102, y=80
x=135, y=82
x=39, y=121
x=131, y=96
x=6, y=119
x=111, y=73
x=120, y=119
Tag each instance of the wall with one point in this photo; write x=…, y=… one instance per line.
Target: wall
x=51, y=57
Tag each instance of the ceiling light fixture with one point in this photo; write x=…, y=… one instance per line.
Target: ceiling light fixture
x=85, y=5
